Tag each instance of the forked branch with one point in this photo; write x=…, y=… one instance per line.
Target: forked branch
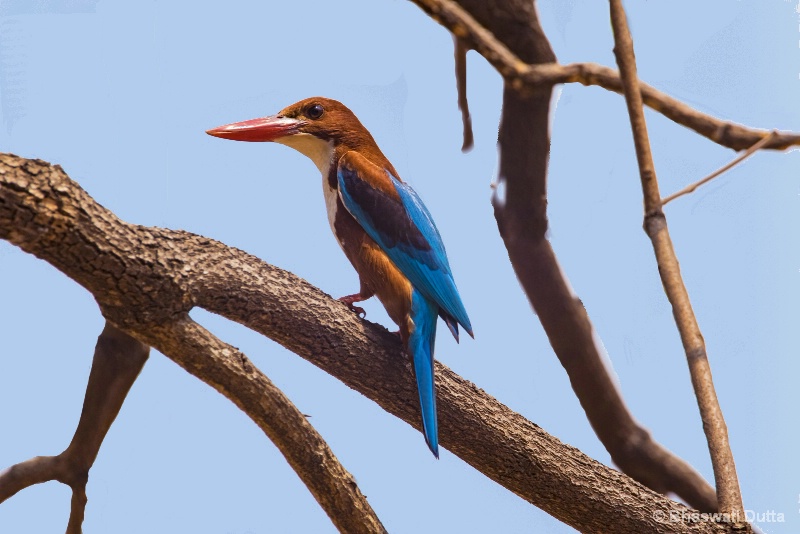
x=737, y=160
x=521, y=215
x=526, y=77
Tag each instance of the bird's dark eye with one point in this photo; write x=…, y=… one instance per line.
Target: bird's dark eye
x=314, y=111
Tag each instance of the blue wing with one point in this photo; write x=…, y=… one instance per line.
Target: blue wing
x=403, y=227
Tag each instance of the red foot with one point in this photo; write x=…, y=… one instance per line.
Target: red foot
x=349, y=300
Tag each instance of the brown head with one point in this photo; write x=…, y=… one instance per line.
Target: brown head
x=315, y=126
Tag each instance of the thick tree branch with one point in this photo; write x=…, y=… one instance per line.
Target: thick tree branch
x=118, y=359
x=521, y=213
x=655, y=223
x=526, y=77
x=147, y=279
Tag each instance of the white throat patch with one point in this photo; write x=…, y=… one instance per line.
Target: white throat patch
x=317, y=150
x=321, y=153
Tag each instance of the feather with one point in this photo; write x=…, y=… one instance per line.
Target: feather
x=394, y=216
x=420, y=344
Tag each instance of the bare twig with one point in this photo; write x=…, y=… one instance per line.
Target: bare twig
x=460, y=53
x=728, y=493
x=526, y=77
x=740, y=158
x=118, y=359
x=145, y=279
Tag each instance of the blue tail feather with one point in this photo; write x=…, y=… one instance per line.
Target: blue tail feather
x=421, y=342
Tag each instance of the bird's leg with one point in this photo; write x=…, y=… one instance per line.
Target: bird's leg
x=350, y=300
x=404, y=333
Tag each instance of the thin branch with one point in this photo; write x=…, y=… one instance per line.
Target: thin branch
x=526, y=77
x=728, y=493
x=146, y=279
x=118, y=359
x=460, y=52
x=740, y=158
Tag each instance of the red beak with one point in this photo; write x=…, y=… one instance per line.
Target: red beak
x=263, y=129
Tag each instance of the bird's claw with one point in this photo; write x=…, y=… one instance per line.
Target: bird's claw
x=349, y=301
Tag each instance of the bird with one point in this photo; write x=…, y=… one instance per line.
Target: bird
x=382, y=226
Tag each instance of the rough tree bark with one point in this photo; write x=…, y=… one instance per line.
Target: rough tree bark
x=92, y=246
x=145, y=281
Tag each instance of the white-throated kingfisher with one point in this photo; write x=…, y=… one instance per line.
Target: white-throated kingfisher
x=381, y=224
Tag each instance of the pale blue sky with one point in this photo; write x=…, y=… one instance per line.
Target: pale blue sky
x=120, y=94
